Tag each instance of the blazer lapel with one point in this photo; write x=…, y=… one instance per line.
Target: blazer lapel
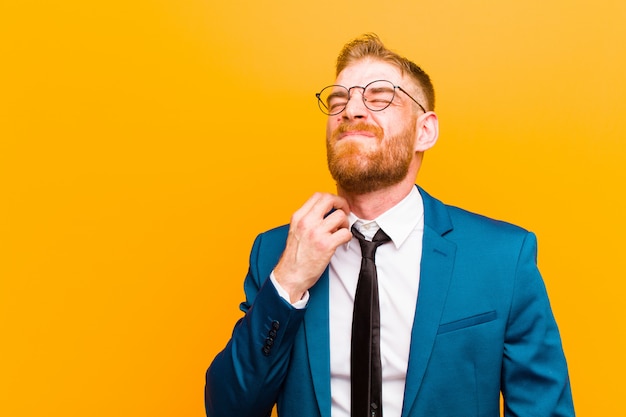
x=436, y=267
x=317, y=335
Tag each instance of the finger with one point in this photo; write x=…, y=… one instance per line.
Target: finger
x=339, y=237
x=341, y=203
x=328, y=202
x=306, y=207
x=335, y=221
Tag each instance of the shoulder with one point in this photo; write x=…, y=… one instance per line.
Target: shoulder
x=462, y=225
x=470, y=221
x=487, y=235
x=273, y=237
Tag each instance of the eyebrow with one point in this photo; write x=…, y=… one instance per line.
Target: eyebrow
x=338, y=93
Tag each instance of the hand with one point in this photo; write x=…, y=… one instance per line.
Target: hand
x=311, y=242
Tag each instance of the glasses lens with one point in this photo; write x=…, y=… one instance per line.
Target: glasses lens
x=379, y=95
x=333, y=99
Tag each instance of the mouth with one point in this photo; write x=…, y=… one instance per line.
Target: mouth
x=356, y=131
x=352, y=133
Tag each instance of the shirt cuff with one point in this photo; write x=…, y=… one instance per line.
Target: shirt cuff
x=300, y=304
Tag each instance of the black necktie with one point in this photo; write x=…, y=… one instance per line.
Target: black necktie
x=365, y=365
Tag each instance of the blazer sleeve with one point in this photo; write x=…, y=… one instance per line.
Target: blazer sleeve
x=535, y=379
x=244, y=379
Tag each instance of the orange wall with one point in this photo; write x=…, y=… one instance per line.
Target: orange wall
x=131, y=133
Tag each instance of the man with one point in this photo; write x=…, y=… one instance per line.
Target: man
x=456, y=309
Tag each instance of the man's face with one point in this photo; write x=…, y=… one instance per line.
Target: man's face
x=370, y=150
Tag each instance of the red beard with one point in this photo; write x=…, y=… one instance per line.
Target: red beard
x=359, y=170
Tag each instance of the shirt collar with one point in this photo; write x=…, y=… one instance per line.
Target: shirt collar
x=398, y=222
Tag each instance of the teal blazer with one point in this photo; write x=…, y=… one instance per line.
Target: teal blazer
x=483, y=326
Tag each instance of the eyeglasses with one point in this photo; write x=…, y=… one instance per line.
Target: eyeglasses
x=376, y=96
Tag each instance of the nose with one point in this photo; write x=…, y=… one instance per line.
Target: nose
x=355, y=107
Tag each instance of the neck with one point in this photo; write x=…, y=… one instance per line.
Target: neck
x=371, y=205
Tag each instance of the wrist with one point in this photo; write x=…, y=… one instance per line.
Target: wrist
x=284, y=294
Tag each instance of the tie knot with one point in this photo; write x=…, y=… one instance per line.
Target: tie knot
x=368, y=249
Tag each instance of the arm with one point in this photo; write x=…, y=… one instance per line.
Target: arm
x=244, y=379
x=535, y=380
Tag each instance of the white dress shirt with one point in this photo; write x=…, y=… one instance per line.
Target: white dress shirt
x=398, y=267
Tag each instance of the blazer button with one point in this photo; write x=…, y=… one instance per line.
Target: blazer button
x=275, y=325
x=266, y=350
x=269, y=342
x=272, y=333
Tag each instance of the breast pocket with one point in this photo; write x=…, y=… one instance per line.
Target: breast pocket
x=467, y=322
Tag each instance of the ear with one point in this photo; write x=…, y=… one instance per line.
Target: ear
x=427, y=131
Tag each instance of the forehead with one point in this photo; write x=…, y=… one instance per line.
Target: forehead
x=367, y=70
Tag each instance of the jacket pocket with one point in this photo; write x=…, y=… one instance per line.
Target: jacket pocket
x=467, y=322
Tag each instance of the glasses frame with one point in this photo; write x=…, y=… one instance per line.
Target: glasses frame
x=324, y=109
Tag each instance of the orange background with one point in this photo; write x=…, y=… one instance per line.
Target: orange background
x=143, y=145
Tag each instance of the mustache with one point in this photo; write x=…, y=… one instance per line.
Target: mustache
x=360, y=126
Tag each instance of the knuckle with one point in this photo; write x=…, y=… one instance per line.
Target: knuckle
x=305, y=224
x=320, y=245
x=337, y=217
